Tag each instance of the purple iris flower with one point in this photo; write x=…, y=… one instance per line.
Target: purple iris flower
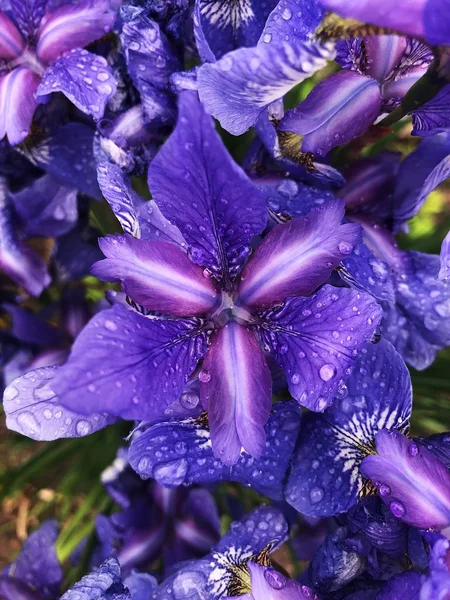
x=217, y=304
x=377, y=73
x=424, y=19
x=225, y=571
x=41, y=53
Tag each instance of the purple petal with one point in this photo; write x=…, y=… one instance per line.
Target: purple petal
x=84, y=78
x=156, y=275
x=316, y=340
x=236, y=390
x=436, y=21
x=188, y=442
x=292, y=19
x=137, y=217
x=73, y=26
x=225, y=26
x=202, y=191
x=444, y=272
x=103, y=583
x=288, y=197
x=414, y=484
x=350, y=55
x=30, y=328
x=433, y=116
x=128, y=365
x=12, y=43
x=325, y=478
x=32, y=408
x=407, y=16
x=297, y=256
x=238, y=88
x=384, y=53
x=141, y=585
x=37, y=564
x=17, y=104
x=75, y=254
x=438, y=445
x=403, y=585
x=17, y=260
x=338, y=109
x=28, y=15
x=46, y=208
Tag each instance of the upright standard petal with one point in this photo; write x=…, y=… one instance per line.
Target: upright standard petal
x=238, y=88
x=157, y=275
x=444, y=272
x=236, y=390
x=298, y=256
x=325, y=478
x=17, y=104
x=412, y=482
x=12, y=43
x=338, y=109
x=127, y=365
x=33, y=409
x=202, y=191
x=383, y=54
x=179, y=451
x=73, y=26
x=316, y=340
x=84, y=78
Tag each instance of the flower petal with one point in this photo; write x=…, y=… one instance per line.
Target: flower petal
x=325, y=477
x=414, y=484
x=12, y=43
x=202, y=191
x=102, y=582
x=84, y=78
x=28, y=15
x=127, y=365
x=338, y=109
x=32, y=408
x=236, y=390
x=73, y=26
x=402, y=585
x=316, y=340
x=297, y=256
x=433, y=116
x=238, y=88
x=157, y=275
x=17, y=104
x=292, y=19
x=161, y=448
x=444, y=272
x=384, y=53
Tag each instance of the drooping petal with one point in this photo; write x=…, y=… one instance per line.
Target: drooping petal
x=298, y=256
x=408, y=16
x=338, y=109
x=238, y=88
x=433, y=116
x=325, y=477
x=37, y=564
x=32, y=408
x=414, y=484
x=84, y=78
x=17, y=104
x=202, y=191
x=316, y=340
x=444, y=272
x=103, y=583
x=157, y=275
x=224, y=26
x=138, y=218
x=187, y=442
x=73, y=26
x=292, y=20
x=46, y=208
x=236, y=390
x=28, y=15
x=11, y=42
x=127, y=365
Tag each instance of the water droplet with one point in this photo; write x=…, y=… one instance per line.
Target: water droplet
x=413, y=450
x=181, y=447
x=83, y=428
x=327, y=372
x=47, y=413
x=345, y=247
x=384, y=490
x=171, y=473
x=267, y=38
x=110, y=325
x=204, y=376
x=397, y=509
x=143, y=464
x=275, y=579
x=316, y=495
x=287, y=14
x=295, y=378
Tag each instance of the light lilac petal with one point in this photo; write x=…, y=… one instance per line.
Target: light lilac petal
x=407, y=16
x=297, y=256
x=73, y=26
x=316, y=341
x=17, y=104
x=338, y=109
x=32, y=408
x=238, y=88
x=444, y=272
x=84, y=78
x=127, y=365
x=414, y=484
x=11, y=42
x=236, y=390
x=201, y=190
x=434, y=116
x=156, y=275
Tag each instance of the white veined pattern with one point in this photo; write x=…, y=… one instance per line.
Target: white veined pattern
x=223, y=13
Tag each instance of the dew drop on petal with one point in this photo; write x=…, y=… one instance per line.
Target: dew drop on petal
x=327, y=372
x=397, y=509
x=83, y=428
x=316, y=495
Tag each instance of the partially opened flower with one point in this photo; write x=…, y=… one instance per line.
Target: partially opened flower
x=42, y=52
x=215, y=303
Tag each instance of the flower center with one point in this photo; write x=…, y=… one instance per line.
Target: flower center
x=229, y=311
